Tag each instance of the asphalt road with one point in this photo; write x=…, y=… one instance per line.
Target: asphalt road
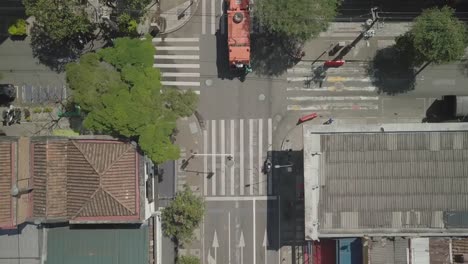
x=250, y=118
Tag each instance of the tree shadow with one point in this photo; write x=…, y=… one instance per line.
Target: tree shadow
x=391, y=73
x=56, y=54
x=273, y=53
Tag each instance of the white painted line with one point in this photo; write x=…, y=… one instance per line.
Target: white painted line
x=279, y=228
x=334, y=106
x=196, y=91
x=229, y=237
x=254, y=241
x=180, y=83
x=213, y=158
x=204, y=17
x=178, y=66
x=213, y=16
x=240, y=198
x=299, y=79
x=250, y=157
x=333, y=98
x=261, y=181
x=346, y=65
x=180, y=74
x=155, y=40
x=241, y=156
x=205, y=161
x=233, y=151
x=333, y=88
x=223, y=159
x=310, y=70
x=177, y=57
x=270, y=148
x=177, y=48
x=348, y=79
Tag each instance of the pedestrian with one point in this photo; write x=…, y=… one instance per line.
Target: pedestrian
x=329, y=121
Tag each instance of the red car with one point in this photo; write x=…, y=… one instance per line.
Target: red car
x=307, y=118
x=334, y=63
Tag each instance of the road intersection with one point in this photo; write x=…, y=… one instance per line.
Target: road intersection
x=251, y=120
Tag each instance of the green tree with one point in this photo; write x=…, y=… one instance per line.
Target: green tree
x=438, y=36
x=188, y=260
x=18, y=28
x=298, y=19
x=122, y=95
x=136, y=5
x=59, y=19
x=182, y=216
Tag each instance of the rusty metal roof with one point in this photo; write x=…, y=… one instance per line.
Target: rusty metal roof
x=85, y=180
x=6, y=178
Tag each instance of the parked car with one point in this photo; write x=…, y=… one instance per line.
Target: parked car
x=7, y=94
x=334, y=63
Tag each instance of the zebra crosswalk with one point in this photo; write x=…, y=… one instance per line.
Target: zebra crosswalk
x=235, y=151
x=348, y=87
x=179, y=62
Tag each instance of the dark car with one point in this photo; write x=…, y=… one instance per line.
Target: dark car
x=7, y=94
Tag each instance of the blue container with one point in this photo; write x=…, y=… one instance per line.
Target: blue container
x=349, y=251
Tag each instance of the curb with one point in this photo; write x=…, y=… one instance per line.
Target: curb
x=192, y=13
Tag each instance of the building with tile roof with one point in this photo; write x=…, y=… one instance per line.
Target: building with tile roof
x=79, y=180
x=388, y=180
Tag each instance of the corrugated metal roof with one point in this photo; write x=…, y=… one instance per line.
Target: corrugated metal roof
x=97, y=246
x=392, y=180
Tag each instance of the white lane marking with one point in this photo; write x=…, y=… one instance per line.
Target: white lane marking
x=241, y=246
x=180, y=74
x=334, y=106
x=261, y=181
x=180, y=83
x=279, y=228
x=175, y=65
x=233, y=151
x=204, y=17
x=331, y=79
x=177, y=48
x=333, y=98
x=177, y=57
x=310, y=70
x=223, y=159
x=347, y=65
x=196, y=91
x=254, y=241
x=229, y=237
x=213, y=16
x=205, y=161
x=240, y=198
x=156, y=40
x=241, y=156
x=215, y=246
x=250, y=157
x=270, y=148
x=213, y=158
x=333, y=88
x=265, y=244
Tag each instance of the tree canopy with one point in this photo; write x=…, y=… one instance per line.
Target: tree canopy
x=122, y=95
x=188, y=260
x=298, y=19
x=438, y=36
x=182, y=216
x=59, y=20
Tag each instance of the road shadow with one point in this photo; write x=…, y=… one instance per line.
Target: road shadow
x=443, y=110
x=56, y=54
x=391, y=73
x=273, y=53
x=288, y=184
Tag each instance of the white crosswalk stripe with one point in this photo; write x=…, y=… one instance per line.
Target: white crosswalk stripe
x=179, y=62
x=338, y=89
x=248, y=141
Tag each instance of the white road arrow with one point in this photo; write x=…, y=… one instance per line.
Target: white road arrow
x=215, y=246
x=265, y=245
x=241, y=245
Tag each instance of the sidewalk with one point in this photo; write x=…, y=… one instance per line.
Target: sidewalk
x=176, y=13
x=364, y=50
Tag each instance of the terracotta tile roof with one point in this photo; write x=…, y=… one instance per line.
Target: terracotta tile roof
x=6, y=176
x=85, y=180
